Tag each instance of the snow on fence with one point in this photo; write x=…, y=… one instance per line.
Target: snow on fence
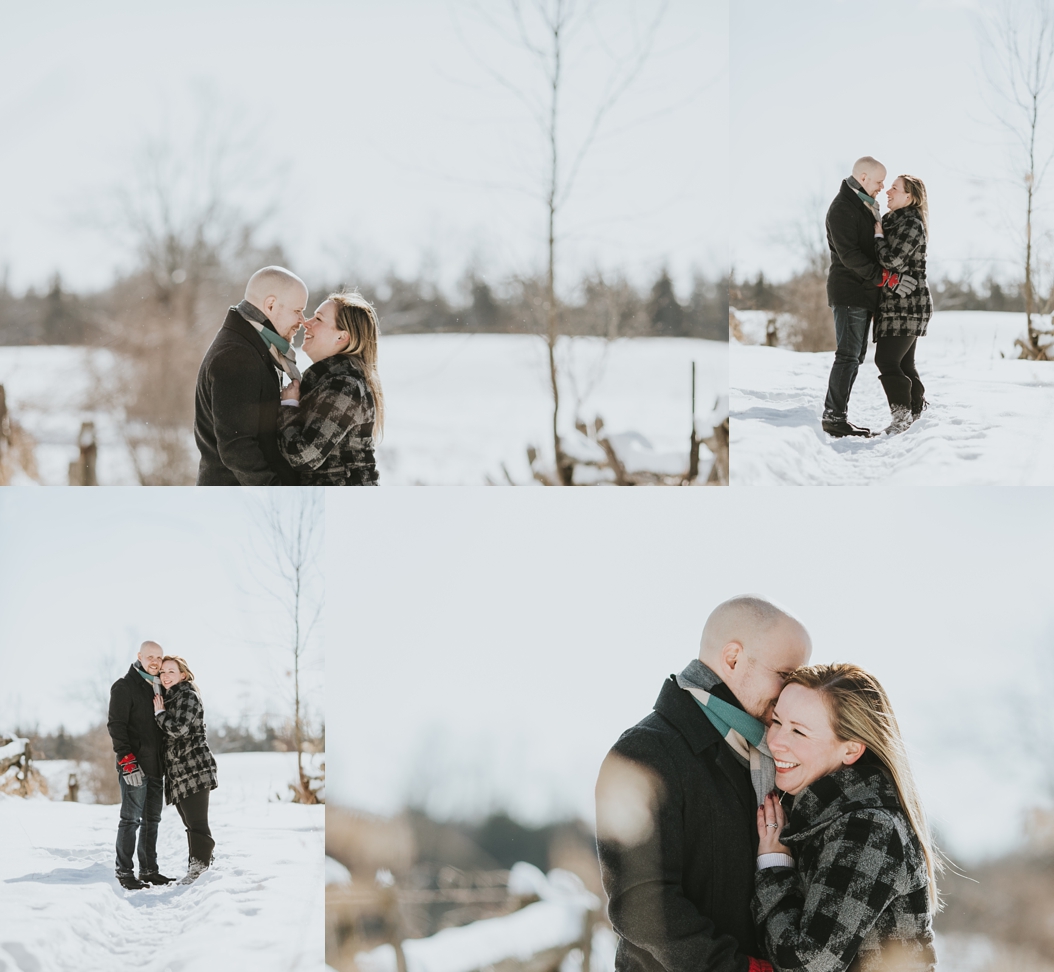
x=557, y=928
x=18, y=777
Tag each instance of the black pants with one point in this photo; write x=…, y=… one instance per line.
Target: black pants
x=194, y=812
x=895, y=359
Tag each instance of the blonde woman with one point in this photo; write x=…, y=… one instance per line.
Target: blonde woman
x=904, y=306
x=330, y=421
x=848, y=880
x=190, y=769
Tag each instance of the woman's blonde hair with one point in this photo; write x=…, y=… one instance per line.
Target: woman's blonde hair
x=860, y=712
x=357, y=316
x=182, y=665
x=916, y=188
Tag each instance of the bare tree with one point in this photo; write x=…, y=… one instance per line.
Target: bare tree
x=1021, y=37
x=177, y=212
x=293, y=520
x=547, y=31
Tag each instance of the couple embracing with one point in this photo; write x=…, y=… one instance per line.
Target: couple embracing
x=764, y=817
x=878, y=270
x=157, y=724
x=253, y=428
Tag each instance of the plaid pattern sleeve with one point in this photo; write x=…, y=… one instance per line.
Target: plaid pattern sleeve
x=815, y=920
x=328, y=412
x=898, y=248
x=190, y=765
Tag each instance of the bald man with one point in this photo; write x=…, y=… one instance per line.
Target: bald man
x=240, y=381
x=852, y=286
x=677, y=799
x=137, y=744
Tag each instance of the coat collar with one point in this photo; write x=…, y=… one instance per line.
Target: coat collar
x=678, y=708
x=240, y=326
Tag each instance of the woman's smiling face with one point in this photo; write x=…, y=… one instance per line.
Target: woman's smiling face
x=170, y=674
x=803, y=742
x=897, y=196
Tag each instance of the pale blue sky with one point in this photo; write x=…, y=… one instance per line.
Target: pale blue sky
x=86, y=575
x=396, y=146
x=502, y=641
x=817, y=84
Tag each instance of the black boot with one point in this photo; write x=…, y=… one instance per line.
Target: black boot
x=917, y=410
x=154, y=877
x=194, y=870
x=838, y=426
x=129, y=882
x=902, y=418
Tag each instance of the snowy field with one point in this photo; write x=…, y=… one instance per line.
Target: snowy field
x=990, y=420
x=260, y=906
x=458, y=405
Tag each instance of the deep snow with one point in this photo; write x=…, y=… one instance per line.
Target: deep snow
x=260, y=906
x=458, y=405
x=990, y=420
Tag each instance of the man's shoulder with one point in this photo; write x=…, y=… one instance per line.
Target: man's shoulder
x=654, y=741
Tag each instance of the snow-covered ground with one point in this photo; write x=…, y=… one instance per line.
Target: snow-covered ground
x=990, y=420
x=458, y=405
x=260, y=906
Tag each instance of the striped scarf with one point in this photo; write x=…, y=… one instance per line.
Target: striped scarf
x=743, y=733
x=281, y=350
x=154, y=680
x=871, y=204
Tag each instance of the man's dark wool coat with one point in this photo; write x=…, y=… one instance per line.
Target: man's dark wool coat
x=681, y=900
x=236, y=411
x=855, y=271
x=132, y=725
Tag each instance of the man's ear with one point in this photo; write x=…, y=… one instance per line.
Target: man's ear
x=853, y=751
x=730, y=654
x=269, y=302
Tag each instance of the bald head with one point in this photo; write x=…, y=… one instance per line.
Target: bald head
x=281, y=295
x=870, y=173
x=752, y=646
x=150, y=656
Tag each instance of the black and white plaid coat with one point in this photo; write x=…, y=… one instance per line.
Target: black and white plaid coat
x=328, y=439
x=859, y=897
x=189, y=763
x=903, y=250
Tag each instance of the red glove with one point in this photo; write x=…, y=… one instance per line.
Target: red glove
x=894, y=279
x=133, y=775
x=885, y=277
x=759, y=965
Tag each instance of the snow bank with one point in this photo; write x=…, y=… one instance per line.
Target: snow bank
x=990, y=421
x=260, y=906
x=555, y=921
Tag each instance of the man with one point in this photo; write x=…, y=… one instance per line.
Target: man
x=853, y=284
x=137, y=741
x=239, y=384
x=677, y=799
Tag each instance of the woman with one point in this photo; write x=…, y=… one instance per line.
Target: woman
x=327, y=427
x=860, y=891
x=904, y=307
x=190, y=769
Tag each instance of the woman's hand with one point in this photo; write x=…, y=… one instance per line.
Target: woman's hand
x=771, y=822
x=291, y=392
x=159, y=703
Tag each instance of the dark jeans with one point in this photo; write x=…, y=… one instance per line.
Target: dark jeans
x=140, y=811
x=895, y=358
x=851, y=325
x=194, y=812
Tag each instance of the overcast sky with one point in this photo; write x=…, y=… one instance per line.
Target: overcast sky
x=86, y=575
x=379, y=133
x=818, y=83
x=502, y=641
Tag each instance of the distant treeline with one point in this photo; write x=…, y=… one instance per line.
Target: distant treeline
x=606, y=306
x=267, y=736
x=948, y=293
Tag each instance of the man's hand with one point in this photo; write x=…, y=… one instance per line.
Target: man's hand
x=886, y=274
x=771, y=822
x=291, y=392
x=159, y=703
x=133, y=775
x=878, y=230
x=905, y=286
